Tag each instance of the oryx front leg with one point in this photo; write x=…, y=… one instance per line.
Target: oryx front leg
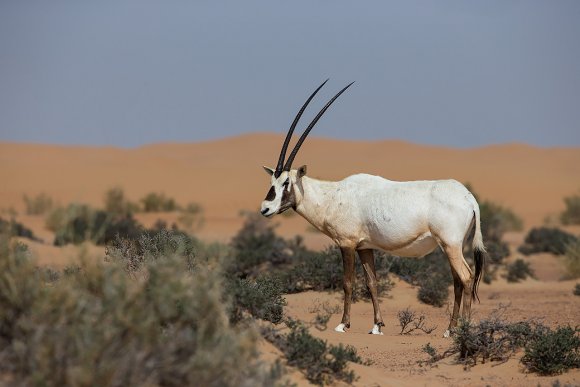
x=348, y=256
x=367, y=259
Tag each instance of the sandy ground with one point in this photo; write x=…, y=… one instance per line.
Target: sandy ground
x=225, y=177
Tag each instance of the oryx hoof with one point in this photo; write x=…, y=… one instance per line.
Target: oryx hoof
x=376, y=330
x=340, y=328
x=447, y=334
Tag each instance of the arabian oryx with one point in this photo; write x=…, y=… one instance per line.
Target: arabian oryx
x=364, y=212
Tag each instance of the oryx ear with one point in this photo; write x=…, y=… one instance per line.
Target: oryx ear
x=269, y=171
x=301, y=171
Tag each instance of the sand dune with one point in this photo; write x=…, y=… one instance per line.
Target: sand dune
x=225, y=176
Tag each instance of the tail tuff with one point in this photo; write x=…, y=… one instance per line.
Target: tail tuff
x=479, y=253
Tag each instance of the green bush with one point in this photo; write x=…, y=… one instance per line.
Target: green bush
x=261, y=298
x=546, y=240
x=256, y=244
x=78, y=223
x=553, y=352
x=96, y=326
x=322, y=364
x=432, y=274
x=116, y=203
x=152, y=245
x=191, y=217
x=15, y=229
x=158, y=202
x=434, y=291
x=37, y=205
x=571, y=259
x=491, y=339
x=518, y=271
x=571, y=214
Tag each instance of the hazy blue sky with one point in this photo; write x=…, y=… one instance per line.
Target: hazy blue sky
x=126, y=73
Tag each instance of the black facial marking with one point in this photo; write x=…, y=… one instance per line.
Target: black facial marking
x=288, y=199
x=271, y=194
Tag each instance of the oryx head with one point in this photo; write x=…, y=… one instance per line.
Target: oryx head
x=281, y=195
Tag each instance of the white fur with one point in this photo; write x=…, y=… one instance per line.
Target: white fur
x=340, y=328
x=376, y=330
x=447, y=333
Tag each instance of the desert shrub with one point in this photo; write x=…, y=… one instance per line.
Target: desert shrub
x=577, y=290
x=409, y=322
x=571, y=215
x=495, y=218
x=571, y=259
x=37, y=205
x=15, y=229
x=546, y=240
x=553, y=352
x=191, y=217
x=518, y=271
x=78, y=223
x=158, y=202
x=261, y=298
x=116, y=203
x=547, y=351
x=434, y=291
x=152, y=245
x=432, y=274
x=322, y=363
x=492, y=339
x=496, y=251
x=256, y=243
x=315, y=270
x=96, y=326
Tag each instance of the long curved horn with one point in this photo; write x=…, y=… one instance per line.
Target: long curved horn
x=291, y=130
x=290, y=160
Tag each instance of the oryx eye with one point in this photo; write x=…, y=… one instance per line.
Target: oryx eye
x=286, y=182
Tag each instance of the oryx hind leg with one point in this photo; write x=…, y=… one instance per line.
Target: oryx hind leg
x=348, y=257
x=367, y=259
x=462, y=284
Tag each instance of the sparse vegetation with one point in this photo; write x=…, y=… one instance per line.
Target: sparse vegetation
x=431, y=273
x=261, y=298
x=409, y=322
x=191, y=217
x=152, y=245
x=322, y=363
x=571, y=215
x=38, y=205
x=158, y=202
x=15, y=229
x=116, y=203
x=553, y=352
x=546, y=240
x=519, y=270
x=571, y=259
x=79, y=222
x=547, y=351
x=255, y=244
x=97, y=326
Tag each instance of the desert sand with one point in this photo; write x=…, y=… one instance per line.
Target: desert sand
x=225, y=177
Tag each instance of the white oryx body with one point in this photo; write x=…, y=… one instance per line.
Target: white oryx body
x=408, y=219
x=364, y=212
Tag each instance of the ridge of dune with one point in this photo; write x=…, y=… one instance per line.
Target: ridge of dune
x=225, y=176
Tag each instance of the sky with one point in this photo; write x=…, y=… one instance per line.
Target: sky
x=133, y=72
